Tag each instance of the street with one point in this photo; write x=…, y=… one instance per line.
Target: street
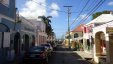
x=40, y=31
x=64, y=56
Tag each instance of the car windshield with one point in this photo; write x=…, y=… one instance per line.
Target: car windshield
x=36, y=49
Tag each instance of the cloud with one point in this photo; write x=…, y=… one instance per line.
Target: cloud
x=110, y=3
x=33, y=8
x=54, y=6
x=84, y=16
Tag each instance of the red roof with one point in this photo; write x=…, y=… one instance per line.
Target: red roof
x=78, y=28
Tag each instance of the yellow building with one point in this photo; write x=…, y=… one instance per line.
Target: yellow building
x=76, y=36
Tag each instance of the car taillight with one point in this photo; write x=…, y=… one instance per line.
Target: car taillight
x=42, y=55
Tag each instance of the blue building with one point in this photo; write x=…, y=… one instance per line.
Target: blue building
x=17, y=34
x=27, y=31
x=7, y=24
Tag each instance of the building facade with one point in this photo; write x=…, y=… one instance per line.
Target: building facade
x=76, y=37
x=27, y=32
x=7, y=20
x=97, y=35
x=22, y=37
x=41, y=35
x=51, y=38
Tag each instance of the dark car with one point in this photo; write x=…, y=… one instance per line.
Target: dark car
x=36, y=55
x=49, y=48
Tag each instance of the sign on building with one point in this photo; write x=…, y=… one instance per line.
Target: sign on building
x=6, y=39
x=109, y=29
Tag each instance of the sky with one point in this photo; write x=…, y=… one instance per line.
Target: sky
x=55, y=8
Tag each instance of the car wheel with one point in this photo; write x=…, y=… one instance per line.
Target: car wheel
x=46, y=61
x=50, y=54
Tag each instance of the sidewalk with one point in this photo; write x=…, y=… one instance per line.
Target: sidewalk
x=16, y=60
x=84, y=55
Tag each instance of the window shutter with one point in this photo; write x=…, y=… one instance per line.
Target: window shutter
x=84, y=29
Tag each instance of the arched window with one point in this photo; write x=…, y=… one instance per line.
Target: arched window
x=76, y=35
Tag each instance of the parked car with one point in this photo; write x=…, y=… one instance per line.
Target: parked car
x=49, y=48
x=36, y=55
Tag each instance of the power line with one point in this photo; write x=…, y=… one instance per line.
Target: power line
x=58, y=10
x=67, y=12
x=90, y=6
x=48, y=7
x=41, y=4
x=81, y=11
x=92, y=10
x=99, y=4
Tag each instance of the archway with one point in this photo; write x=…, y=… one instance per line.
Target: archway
x=26, y=42
x=17, y=43
x=3, y=28
x=4, y=40
x=100, y=44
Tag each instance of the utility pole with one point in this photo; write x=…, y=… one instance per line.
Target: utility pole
x=68, y=9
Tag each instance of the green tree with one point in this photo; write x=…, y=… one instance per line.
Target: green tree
x=99, y=13
x=47, y=22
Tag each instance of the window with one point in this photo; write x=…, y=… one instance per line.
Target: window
x=5, y=2
x=75, y=35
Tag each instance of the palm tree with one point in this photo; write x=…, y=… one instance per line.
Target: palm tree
x=47, y=22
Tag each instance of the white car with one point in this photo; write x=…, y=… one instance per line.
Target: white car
x=49, y=47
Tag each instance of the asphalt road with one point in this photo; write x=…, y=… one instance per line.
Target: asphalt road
x=65, y=56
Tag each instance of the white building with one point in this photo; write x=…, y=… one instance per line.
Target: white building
x=99, y=33
x=51, y=38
